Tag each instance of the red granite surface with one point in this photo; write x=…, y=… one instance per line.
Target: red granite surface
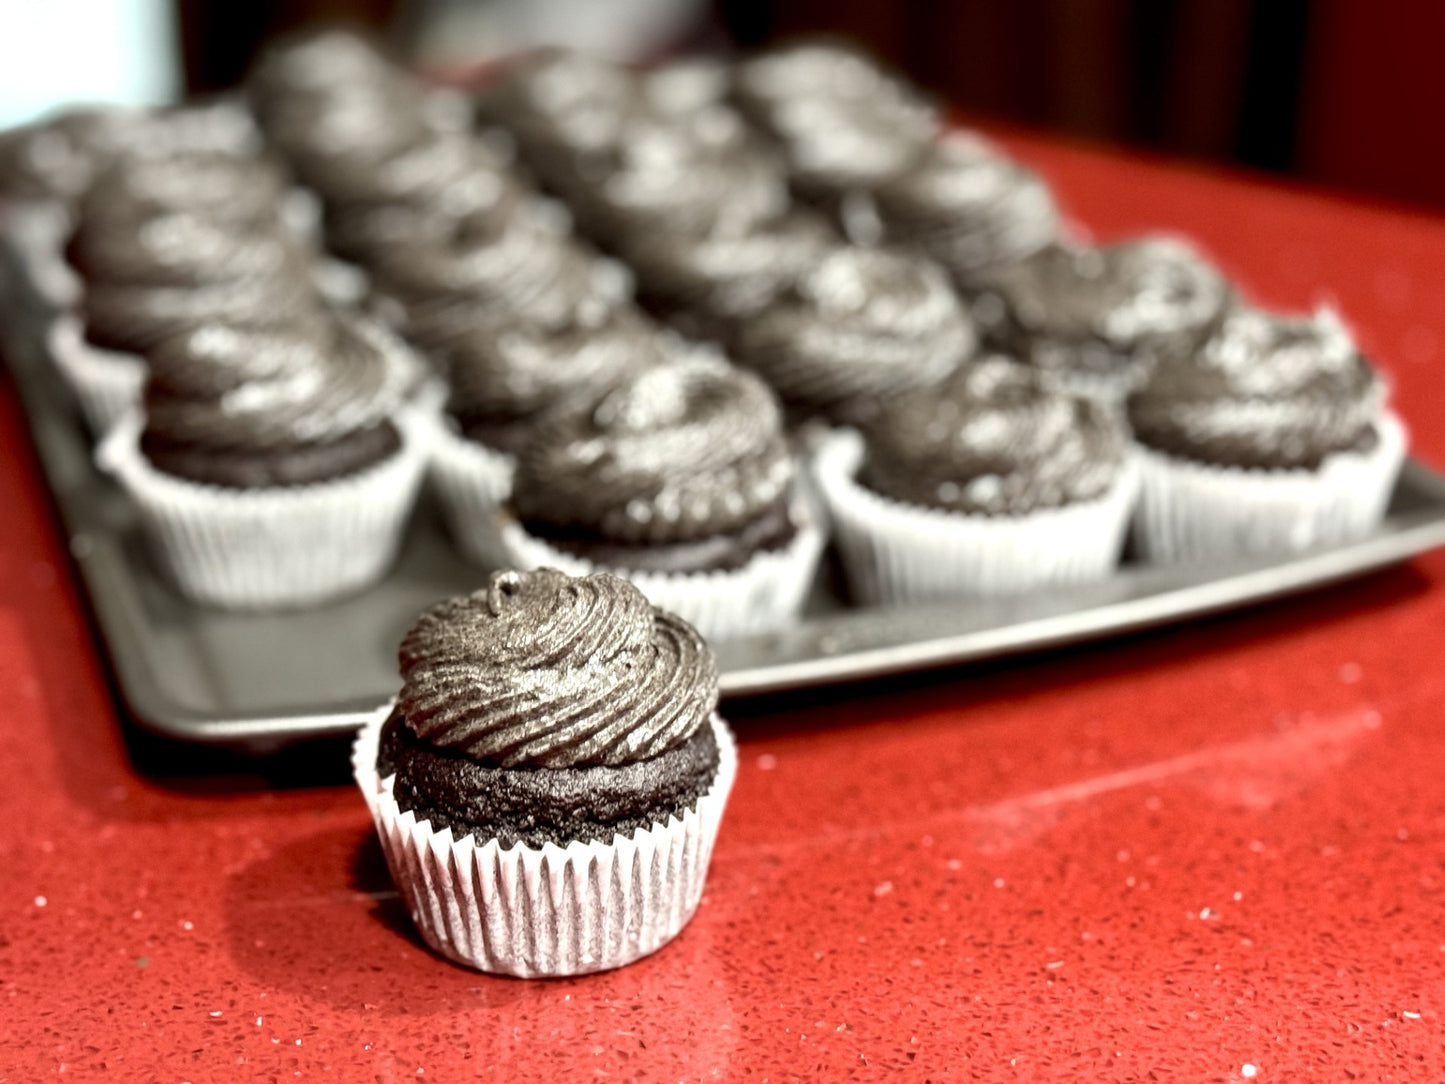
x=1174, y=857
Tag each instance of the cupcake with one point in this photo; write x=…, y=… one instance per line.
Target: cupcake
x=969, y=207
x=1096, y=317
x=275, y=466
x=147, y=275
x=1271, y=437
x=47, y=168
x=860, y=326
x=506, y=373
x=680, y=479
x=565, y=110
x=679, y=175
x=551, y=780
x=843, y=123
x=710, y=285
x=997, y=482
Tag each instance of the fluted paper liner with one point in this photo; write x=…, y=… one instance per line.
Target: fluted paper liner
x=274, y=548
x=472, y=482
x=547, y=911
x=764, y=594
x=107, y=383
x=894, y=552
x=1191, y=511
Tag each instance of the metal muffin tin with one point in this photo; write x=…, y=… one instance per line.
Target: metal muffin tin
x=262, y=681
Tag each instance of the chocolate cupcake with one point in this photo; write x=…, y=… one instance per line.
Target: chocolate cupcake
x=680, y=479
x=1096, y=317
x=275, y=466
x=47, y=168
x=1271, y=436
x=148, y=275
x=996, y=482
x=683, y=175
x=566, y=110
x=968, y=206
x=859, y=327
x=556, y=744
x=843, y=123
x=506, y=373
x=710, y=285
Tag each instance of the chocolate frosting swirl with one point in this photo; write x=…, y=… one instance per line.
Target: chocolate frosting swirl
x=305, y=379
x=229, y=190
x=512, y=369
x=1127, y=295
x=684, y=451
x=997, y=438
x=176, y=270
x=562, y=106
x=726, y=275
x=842, y=120
x=862, y=325
x=526, y=267
x=335, y=104
x=1263, y=391
x=60, y=157
x=541, y=670
x=968, y=206
x=441, y=185
x=683, y=175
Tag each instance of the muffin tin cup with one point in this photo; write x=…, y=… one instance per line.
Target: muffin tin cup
x=547, y=911
x=271, y=549
x=472, y=483
x=898, y=553
x=1192, y=511
x=762, y=595
x=108, y=384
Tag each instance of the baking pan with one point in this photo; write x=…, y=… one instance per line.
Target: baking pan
x=261, y=681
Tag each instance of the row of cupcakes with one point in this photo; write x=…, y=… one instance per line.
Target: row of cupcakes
x=1250, y=431
x=639, y=476
x=575, y=432
x=262, y=432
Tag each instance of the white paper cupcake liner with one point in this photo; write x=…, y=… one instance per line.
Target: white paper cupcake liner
x=548, y=911
x=1192, y=511
x=472, y=482
x=896, y=553
x=265, y=549
x=107, y=384
x=764, y=594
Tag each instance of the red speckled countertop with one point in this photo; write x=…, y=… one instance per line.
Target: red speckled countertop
x=1212, y=853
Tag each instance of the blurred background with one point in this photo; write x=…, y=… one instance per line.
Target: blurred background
x=1342, y=93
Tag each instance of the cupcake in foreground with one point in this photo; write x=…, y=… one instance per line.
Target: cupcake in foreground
x=550, y=782
x=681, y=480
x=1271, y=437
x=1096, y=317
x=275, y=466
x=996, y=482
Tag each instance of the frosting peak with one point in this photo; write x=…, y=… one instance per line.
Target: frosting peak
x=541, y=670
x=684, y=451
x=1262, y=390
